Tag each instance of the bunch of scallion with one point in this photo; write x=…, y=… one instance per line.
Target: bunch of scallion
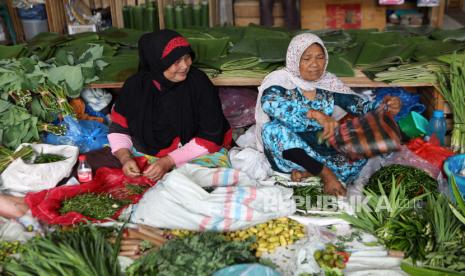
x=7, y=156
x=452, y=88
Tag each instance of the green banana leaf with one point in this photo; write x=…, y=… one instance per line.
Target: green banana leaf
x=119, y=68
x=339, y=66
x=252, y=34
x=208, y=49
x=449, y=35
x=235, y=34
x=232, y=62
x=374, y=54
x=273, y=49
x=14, y=51
x=129, y=37
x=427, y=50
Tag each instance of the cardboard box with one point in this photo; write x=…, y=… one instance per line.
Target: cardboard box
x=343, y=14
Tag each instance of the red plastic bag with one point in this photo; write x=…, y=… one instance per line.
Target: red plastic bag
x=431, y=152
x=372, y=134
x=45, y=205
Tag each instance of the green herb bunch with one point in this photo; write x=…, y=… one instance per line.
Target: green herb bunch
x=199, y=255
x=414, y=181
x=97, y=206
x=81, y=251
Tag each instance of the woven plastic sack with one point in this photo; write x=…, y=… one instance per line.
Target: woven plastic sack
x=373, y=134
x=45, y=205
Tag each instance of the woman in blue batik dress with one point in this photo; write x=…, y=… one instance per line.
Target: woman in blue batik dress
x=295, y=109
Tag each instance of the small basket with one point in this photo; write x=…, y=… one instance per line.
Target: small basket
x=414, y=125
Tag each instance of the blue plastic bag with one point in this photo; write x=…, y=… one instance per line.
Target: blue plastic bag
x=37, y=12
x=410, y=102
x=247, y=270
x=86, y=135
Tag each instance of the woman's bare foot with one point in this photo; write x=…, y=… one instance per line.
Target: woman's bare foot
x=298, y=176
x=331, y=184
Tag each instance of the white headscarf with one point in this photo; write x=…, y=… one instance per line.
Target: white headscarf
x=289, y=78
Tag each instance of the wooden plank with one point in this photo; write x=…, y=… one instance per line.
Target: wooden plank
x=213, y=13
x=161, y=18
x=360, y=80
x=437, y=14
x=116, y=8
x=57, y=21
x=245, y=21
x=17, y=25
x=251, y=8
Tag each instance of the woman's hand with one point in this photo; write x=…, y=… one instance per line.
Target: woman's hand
x=158, y=169
x=130, y=168
x=393, y=104
x=328, y=123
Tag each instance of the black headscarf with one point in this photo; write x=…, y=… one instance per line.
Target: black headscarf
x=157, y=110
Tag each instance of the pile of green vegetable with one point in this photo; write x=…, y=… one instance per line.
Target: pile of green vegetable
x=98, y=206
x=414, y=181
x=199, y=255
x=423, y=227
x=452, y=87
x=80, y=251
x=44, y=158
x=9, y=248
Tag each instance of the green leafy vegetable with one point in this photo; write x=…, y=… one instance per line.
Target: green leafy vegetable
x=98, y=206
x=413, y=180
x=199, y=255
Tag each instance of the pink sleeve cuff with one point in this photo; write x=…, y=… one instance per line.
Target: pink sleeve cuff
x=119, y=141
x=187, y=152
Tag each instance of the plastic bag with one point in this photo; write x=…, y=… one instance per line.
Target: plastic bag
x=372, y=134
x=21, y=177
x=250, y=161
x=430, y=151
x=86, y=135
x=239, y=105
x=45, y=205
x=247, y=270
x=96, y=98
x=410, y=102
x=180, y=202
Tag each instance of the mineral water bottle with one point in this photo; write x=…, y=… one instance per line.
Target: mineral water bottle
x=437, y=127
x=84, y=171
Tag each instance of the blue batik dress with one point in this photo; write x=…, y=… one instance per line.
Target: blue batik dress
x=290, y=128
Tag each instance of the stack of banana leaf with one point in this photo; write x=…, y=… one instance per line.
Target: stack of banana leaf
x=254, y=51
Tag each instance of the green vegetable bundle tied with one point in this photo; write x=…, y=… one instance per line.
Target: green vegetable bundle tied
x=98, y=206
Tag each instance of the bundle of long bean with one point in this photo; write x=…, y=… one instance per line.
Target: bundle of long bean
x=7, y=156
x=420, y=72
x=452, y=88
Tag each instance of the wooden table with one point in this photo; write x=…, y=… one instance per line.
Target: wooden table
x=359, y=80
